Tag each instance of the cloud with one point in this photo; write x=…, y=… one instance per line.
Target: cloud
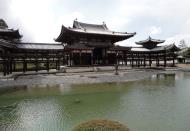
x=35, y=18
x=177, y=38
x=41, y=20
x=153, y=30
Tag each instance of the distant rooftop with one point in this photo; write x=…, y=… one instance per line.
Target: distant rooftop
x=150, y=43
x=3, y=24
x=6, y=33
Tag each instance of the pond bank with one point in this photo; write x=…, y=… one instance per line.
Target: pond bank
x=79, y=78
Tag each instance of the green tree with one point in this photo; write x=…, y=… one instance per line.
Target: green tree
x=187, y=54
x=182, y=44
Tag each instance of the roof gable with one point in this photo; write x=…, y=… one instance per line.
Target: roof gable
x=90, y=27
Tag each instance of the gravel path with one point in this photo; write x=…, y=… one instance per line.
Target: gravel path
x=78, y=78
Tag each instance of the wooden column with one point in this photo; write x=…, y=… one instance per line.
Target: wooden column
x=47, y=62
x=150, y=61
x=36, y=61
x=173, y=59
x=24, y=65
x=92, y=58
x=138, y=59
x=116, y=57
x=132, y=60
x=80, y=54
x=70, y=58
x=126, y=58
x=58, y=62
x=14, y=65
x=8, y=66
x=11, y=67
x=67, y=58
x=165, y=59
x=4, y=67
x=158, y=59
x=144, y=60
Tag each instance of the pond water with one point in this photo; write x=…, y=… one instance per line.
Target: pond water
x=160, y=103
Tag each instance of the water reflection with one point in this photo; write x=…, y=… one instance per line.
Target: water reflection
x=160, y=102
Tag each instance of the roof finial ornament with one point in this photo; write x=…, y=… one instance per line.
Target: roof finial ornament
x=104, y=23
x=76, y=19
x=149, y=38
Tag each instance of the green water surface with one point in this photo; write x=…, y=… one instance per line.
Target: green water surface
x=160, y=103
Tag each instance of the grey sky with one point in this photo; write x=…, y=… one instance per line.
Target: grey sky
x=41, y=20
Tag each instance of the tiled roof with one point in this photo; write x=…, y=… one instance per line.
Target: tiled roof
x=166, y=47
x=40, y=46
x=92, y=29
x=7, y=44
x=95, y=28
x=150, y=41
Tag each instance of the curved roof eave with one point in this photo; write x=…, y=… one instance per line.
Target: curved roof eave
x=65, y=29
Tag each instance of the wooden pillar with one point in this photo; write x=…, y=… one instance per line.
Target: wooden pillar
x=144, y=60
x=91, y=58
x=36, y=63
x=150, y=61
x=116, y=57
x=132, y=60
x=7, y=64
x=4, y=67
x=126, y=59
x=24, y=65
x=80, y=54
x=67, y=59
x=165, y=59
x=158, y=60
x=11, y=69
x=58, y=62
x=47, y=62
x=173, y=59
x=70, y=58
x=14, y=65
x=138, y=59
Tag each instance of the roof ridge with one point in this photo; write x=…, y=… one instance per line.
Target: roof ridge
x=39, y=43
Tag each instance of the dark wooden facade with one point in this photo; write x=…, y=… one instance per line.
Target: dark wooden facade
x=82, y=45
x=92, y=44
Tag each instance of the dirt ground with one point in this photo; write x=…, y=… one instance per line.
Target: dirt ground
x=183, y=65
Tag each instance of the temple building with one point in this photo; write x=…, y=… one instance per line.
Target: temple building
x=82, y=45
x=151, y=52
x=21, y=56
x=90, y=44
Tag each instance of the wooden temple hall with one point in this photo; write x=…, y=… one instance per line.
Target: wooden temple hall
x=82, y=45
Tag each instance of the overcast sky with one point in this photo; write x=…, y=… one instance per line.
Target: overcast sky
x=41, y=20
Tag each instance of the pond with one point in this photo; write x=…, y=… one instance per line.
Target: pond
x=160, y=103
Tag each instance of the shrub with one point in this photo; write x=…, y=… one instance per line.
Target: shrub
x=100, y=125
